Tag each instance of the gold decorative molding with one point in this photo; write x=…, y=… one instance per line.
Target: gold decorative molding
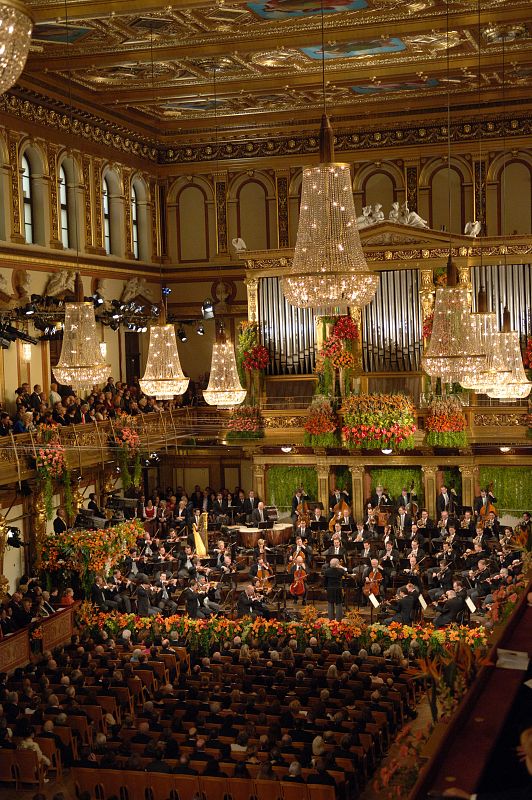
x=282, y=209
x=283, y=422
x=499, y=420
x=220, y=191
x=16, y=200
x=55, y=219
x=252, y=286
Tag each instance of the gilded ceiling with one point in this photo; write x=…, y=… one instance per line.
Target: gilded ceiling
x=188, y=64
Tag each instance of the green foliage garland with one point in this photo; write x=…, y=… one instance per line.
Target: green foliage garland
x=394, y=479
x=343, y=478
x=67, y=486
x=282, y=483
x=512, y=486
x=446, y=439
x=452, y=478
x=123, y=463
x=137, y=471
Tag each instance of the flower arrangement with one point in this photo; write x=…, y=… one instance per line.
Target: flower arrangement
x=51, y=465
x=346, y=329
x=251, y=358
x=127, y=440
x=202, y=634
x=379, y=421
x=256, y=358
x=321, y=426
x=246, y=423
x=505, y=599
x=90, y=552
x=446, y=423
x=527, y=356
x=428, y=322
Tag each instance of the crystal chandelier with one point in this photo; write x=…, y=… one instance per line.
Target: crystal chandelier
x=15, y=36
x=329, y=267
x=224, y=389
x=81, y=364
x=455, y=352
x=163, y=377
x=494, y=372
x=515, y=385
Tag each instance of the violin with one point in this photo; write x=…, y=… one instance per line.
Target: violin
x=297, y=587
x=373, y=583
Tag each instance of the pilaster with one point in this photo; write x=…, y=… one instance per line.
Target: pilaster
x=220, y=196
x=469, y=479
x=323, y=471
x=16, y=199
x=252, y=286
x=429, y=484
x=357, y=493
x=259, y=480
x=282, y=181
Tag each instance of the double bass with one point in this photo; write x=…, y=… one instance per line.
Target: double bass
x=486, y=510
x=373, y=583
x=338, y=513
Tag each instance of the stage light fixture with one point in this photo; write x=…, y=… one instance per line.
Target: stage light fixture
x=207, y=309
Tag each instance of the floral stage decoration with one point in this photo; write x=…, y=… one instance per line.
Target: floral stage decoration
x=201, y=635
x=428, y=322
x=321, y=425
x=90, y=553
x=251, y=359
x=446, y=423
x=127, y=440
x=379, y=421
x=246, y=422
x=51, y=466
x=337, y=354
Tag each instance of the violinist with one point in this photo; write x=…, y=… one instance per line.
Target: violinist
x=122, y=589
x=186, y=566
x=163, y=598
x=403, y=605
x=413, y=571
x=479, y=581
x=416, y=550
x=301, y=548
x=472, y=557
x=440, y=579
x=452, y=606
x=299, y=572
x=220, y=551
x=194, y=601
x=211, y=594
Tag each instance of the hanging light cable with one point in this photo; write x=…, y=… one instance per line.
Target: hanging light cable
x=81, y=363
x=329, y=268
x=163, y=377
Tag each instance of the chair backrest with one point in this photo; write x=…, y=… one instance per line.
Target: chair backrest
x=49, y=749
x=125, y=784
x=294, y=791
x=88, y=780
x=186, y=786
x=7, y=766
x=27, y=767
x=159, y=786
x=240, y=788
x=213, y=788
x=267, y=790
x=318, y=791
x=81, y=725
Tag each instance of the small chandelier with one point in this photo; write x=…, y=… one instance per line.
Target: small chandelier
x=329, y=267
x=224, y=389
x=163, y=377
x=15, y=37
x=494, y=372
x=515, y=385
x=81, y=364
x=455, y=352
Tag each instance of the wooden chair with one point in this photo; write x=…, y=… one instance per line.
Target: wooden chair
x=267, y=790
x=7, y=767
x=81, y=725
x=136, y=690
x=294, y=791
x=159, y=786
x=109, y=706
x=68, y=738
x=95, y=715
x=186, y=787
x=124, y=784
x=170, y=662
x=241, y=788
x=317, y=791
x=160, y=671
x=49, y=749
x=123, y=697
x=149, y=681
x=184, y=657
x=27, y=768
x=88, y=780
x=213, y=788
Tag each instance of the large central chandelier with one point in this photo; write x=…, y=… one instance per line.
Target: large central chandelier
x=329, y=267
x=494, y=372
x=455, y=352
x=515, y=385
x=163, y=377
x=81, y=364
x=15, y=37
x=224, y=389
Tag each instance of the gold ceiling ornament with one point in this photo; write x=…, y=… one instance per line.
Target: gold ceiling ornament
x=329, y=268
x=455, y=352
x=495, y=371
x=81, y=364
x=163, y=377
x=15, y=36
x=515, y=385
x=224, y=389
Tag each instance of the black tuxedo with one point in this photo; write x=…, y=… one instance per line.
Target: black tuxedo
x=256, y=516
x=386, y=500
x=193, y=603
x=450, y=610
x=388, y=563
x=404, y=523
x=404, y=609
x=60, y=525
x=331, y=552
x=479, y=502
x=333, y=583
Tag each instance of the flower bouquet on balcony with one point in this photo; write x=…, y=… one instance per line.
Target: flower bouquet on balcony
x=51, y=466
x=321, y=426
x=337, y=353
x=446, y=423
x=251, y=358
x=527, y=358
x=428, y=322
x=246, y=422
x=127, y=440
x=379, y=421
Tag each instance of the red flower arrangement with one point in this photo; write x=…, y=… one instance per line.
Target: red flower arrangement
x=446, y=423
x=256, y=358
x=427, y=326
x=246, y=423
x=379, y=421
x=345, y=328
x=527, y=356
x=322, y=424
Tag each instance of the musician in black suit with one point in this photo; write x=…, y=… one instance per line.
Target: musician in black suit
x=194, y=601
x=380, y=498
x=144, y=606
x=251, y=503
x=404, y=498
x=60, y=524
x=403, y=521
x=337, y=497
x=250, y=605
x=403, y=607
x=333, y=576
x=92, y=505
x=389, y=560
x=450, y=609
x=317, y=520
x=485, y=499
x=259, y=514
x=336, y=550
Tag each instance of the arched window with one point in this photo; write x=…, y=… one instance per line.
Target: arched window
x=135, y=221
x=28, y=199
x=63, y=204
x=106, y=216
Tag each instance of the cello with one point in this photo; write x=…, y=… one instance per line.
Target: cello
x=373, y=583
x=297, y=587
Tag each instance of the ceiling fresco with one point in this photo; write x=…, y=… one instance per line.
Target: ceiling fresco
x=187, y=64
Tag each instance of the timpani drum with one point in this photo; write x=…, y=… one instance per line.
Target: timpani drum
x=279, y=534
x=249, y=537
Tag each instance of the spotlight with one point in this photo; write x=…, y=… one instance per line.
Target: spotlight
x=166, y=291
x=97, y=299
x=143, y=329
x=386, y=451
x=207, y=309
x=286, y=448
x=29, y=310
x=505, y=449
x=200, y=330
x=155, y=311
x=13, y=537
x=182, y=334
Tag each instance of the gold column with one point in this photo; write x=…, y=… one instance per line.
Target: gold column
x=220, y=196
x=97, y=208
x=17, y=222
x=427, y=293
x=411, y=184
x=38, y=525
x=322, y=470
x=479, y=193
x=154, y=217
x=357, y=493
x=128, y=228
x=281, y=179
x=259, y=480
x=55, y=219
x=469, y=479
x=429, y=482
x=87, y=202
x=252, y=286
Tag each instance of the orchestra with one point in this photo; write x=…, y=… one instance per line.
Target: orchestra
x=195, y=554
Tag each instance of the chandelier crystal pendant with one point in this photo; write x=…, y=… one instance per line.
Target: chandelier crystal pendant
x=329, y=267
x=163, y=377
x=495, y=372
x=515, y=385
x=224, y=389
x=81, y=364
x=455, y=352
x=15, y=36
